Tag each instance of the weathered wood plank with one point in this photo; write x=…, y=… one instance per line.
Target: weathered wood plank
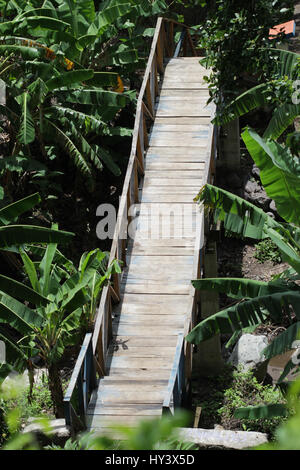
x=140, y=351
x=187, y=108
x=184, y=93
x=152, y=288
x=128, y=410
x=149, y=189
x=162, y=250
x=146, y=319
x=169, y=165
x=188, y=181
x=178, y=139
x=150, y=342
x=171, y=198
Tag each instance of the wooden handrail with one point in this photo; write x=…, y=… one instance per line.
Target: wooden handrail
x=98, y=342
x=175, y=387
x=83, y=381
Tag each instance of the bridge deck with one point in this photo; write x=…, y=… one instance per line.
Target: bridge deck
x=156, y=285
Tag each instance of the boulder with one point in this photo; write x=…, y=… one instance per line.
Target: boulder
x=247, y=354
x=273, y=207
x=222, y=439
x=55, y=432
x=255, y=172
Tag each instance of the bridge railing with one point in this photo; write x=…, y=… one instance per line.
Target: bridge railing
x=163, y=46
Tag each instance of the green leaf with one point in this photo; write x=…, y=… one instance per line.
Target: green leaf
x=241, y=288
x=69, y=78
x=102, y=79
x=281, y=119
x=95, y=97
x=262, y=411
x=13, y=211
x=109, y=15
x=18, y=316
x=20, y=291
x=20, y=234
x=283, y=342
x=279, y=174
x=71, y=149
x=245, y=314
x=26, y=133
x=45, y=267
x=244, y=103
x=31, y=271
x=239, y=216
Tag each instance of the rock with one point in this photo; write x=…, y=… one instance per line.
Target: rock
x=58, y=433
x=273, y=207
x=38, y=376
x=247, y=353
x=252, y=187
x=256, y=194
x=260, y=199
x=219, y=438
x=255, y=172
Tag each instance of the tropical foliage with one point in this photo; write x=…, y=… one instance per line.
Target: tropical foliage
x=278, y=93
x=236, y=38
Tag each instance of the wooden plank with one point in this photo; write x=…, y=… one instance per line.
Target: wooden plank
x=188, y=181
x=121, y=410
x=149, y=309
x=150, y=342
x=187, y=190
x=147, y=375
x=167, y=139
x=173, y=151
x=103, y=422
x=169, y=127
x=183, y=120
x=157, y=234
x=183, y=85
x=144, y=330
x=184, y=93
x=150, y=288
x=172, y=198
x=133, y=362
x=172, y=242
x=187, y=108
x=171, y=174
x=146, y=319
x=163, y=251
x=169, y=165
x=155, y=261
x=140, y=279
x=141, y=351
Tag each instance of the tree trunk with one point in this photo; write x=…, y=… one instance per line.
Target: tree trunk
x=56, y=391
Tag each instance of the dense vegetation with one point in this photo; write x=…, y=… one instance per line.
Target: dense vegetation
x=71, y=71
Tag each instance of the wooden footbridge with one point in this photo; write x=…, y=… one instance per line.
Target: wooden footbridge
x=135, y=364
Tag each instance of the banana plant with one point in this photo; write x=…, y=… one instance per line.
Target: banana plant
x=12, y=292
x=255, y=301
x=279, y=173
x=69, y=295
x=287, y=73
